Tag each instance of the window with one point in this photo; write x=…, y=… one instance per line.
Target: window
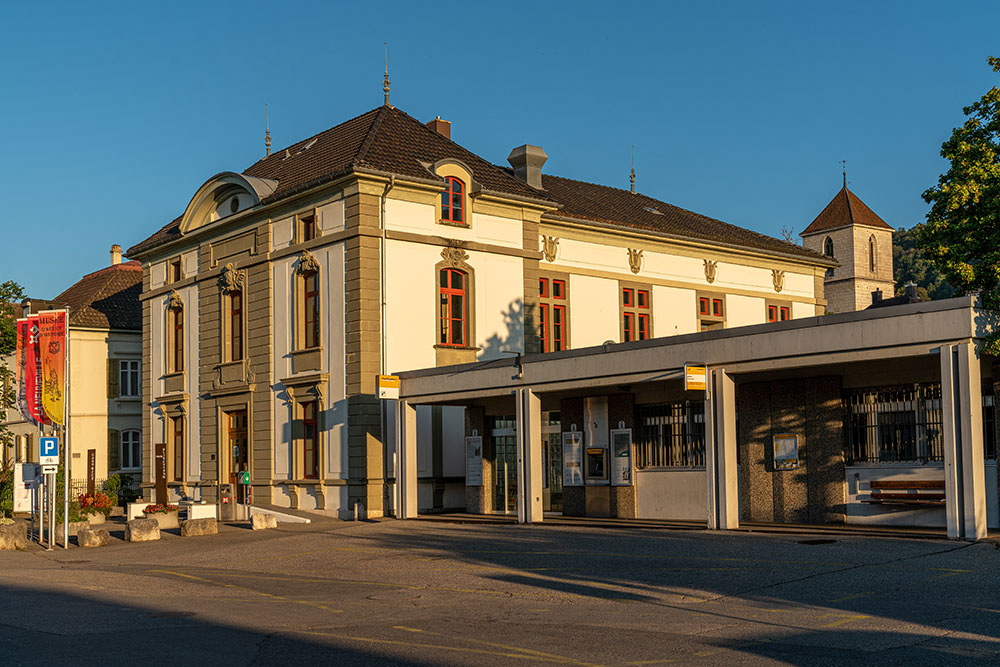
x=310, y=309
x=176, y=340
x=828, y=251
x=307, y=227
x=452, y=200
x=778, y=312
x=177, y=443
x=552, y=320
x=670, y=435
x=128, y=379
x=130, y=450
x=872, y=265
x=635, y=314
x=454, y=307
x=235, y=325
x=310, y=441
x=893, y=424
x=711, y=312
x=174, y=271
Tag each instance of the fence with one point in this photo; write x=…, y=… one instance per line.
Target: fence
x=670, y=435
x=127, y=492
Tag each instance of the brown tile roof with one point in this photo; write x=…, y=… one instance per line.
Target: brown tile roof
x=106, y=299
x=388, y=140
x=844, y=209
x=600, y=203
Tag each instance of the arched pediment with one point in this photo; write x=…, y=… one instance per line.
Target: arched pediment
x=223, y=195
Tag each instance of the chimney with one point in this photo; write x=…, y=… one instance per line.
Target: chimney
x=911, y=291
x=442, y=127
x=527, y=161
x=876, y=297
x=116, y=254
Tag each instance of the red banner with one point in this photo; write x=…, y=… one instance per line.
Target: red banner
x=22, y=345
x=52, y=349
x=33, y=373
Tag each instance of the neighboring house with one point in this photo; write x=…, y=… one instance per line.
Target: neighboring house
x=105, y=371
x=380, y=245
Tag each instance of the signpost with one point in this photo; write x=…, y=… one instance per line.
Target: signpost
x=160, y=472
x=91, y=472
x=48, y=453
x=243, y=478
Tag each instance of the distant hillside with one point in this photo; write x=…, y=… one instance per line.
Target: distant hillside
x=912, y=266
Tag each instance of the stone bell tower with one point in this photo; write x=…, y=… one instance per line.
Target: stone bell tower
x=851, y=233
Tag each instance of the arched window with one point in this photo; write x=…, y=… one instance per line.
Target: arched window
x=454, y=303
x=130, y=450
x=452, y=200
x=235, y=325
x=828, y=251
x=872, y=264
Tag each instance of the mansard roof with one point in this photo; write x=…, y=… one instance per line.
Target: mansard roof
x=844, y=210
x=387, y=140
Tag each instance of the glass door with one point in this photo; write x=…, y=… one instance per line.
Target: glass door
x=239, y=459
x=552, y=482
x=504, y=440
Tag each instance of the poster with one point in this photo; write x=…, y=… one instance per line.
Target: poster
x=573, y=458
x=52, y=352
x=474, y=460
x=621, y=457
x=786, y=451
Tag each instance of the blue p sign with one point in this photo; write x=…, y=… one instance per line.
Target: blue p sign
x=49, y=451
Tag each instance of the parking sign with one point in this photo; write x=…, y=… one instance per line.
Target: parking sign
x=49, y=451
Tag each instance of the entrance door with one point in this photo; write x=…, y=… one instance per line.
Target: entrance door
x=504, y=439
x=239, y=459
x=551, y=462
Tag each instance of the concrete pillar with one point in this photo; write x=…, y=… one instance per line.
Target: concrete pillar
x=962, y=424
x=406, y=460
x=720, y=452
x=529, y=456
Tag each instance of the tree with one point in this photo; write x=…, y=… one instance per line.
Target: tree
x=962, y=233
x=911, y=265
x=11, y=294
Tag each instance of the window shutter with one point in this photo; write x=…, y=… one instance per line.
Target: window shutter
x=114, y=450
x=113, y=378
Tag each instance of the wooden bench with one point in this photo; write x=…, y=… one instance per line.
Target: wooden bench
x=906, y=492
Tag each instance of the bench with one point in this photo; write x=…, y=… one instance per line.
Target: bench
x=906, y=492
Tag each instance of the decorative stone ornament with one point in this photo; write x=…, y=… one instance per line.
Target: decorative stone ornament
x=778, y=279
x=710, y=269
x=634, y=260
x=307, y=263
x=456, y=257
x=550, y=245
x=174, y=301
x=231, y=280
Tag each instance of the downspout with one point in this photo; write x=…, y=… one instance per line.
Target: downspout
x=381, y=307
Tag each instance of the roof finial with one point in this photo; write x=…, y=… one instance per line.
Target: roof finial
x=267, y=131
x=385, y=81
x=631, y=176
x=845, y=173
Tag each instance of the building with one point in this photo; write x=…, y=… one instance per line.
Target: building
x=105, y=350
x=861, y=242
x=380, y=245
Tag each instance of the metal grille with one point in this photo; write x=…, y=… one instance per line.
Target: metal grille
x=989, y=422
x=670, y=435
x=891, y=424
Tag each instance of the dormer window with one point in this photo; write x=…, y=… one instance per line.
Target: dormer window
x=453, y=200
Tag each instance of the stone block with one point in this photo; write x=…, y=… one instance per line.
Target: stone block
x=195, y=527
x=14, y=536
x=165, y=519
x=142, y=530
x=263, y=521
x=93, y=537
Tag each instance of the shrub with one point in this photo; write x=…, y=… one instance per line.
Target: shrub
x=94, y=504
x=158, y=508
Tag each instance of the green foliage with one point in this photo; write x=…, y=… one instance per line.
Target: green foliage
x=962, y=233
x=6, y=491
x=913, y=266
x=10, y=294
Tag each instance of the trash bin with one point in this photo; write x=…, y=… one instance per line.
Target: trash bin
x=227, y=503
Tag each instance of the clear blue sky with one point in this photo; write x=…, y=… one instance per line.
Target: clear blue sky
x=112, y=115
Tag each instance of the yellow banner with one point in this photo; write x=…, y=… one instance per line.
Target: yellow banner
x=52, y=349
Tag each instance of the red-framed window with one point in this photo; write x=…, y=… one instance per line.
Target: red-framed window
x=307, y=227
x=235, y=325
x=453, y=293
x=635, y=314
x=178, y=446
x=310, y=441
x=310, y=309
x=177, y=334
x=453, y=200
x=552, y=314
x=778, y=313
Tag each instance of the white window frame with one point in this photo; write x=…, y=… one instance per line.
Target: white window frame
x=126, y=387
x=135, y=442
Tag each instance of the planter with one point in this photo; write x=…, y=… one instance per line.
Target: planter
x=166, y=520
x=95, y=518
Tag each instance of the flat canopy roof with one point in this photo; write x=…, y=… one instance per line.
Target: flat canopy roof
x=880, y=333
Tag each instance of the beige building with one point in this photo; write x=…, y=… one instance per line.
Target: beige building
x=104, y=375
x=381, y=245
x=861, y=242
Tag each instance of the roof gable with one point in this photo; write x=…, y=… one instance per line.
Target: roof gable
x=106, y=299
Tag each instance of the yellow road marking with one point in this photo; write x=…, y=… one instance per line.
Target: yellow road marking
x=843, y=621
x=403, y=627
x=280, y=598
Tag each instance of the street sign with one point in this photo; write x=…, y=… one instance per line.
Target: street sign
x=48, y=469
x=244, y=477
x=388, y=386
x=695, y=377
x=49, y=451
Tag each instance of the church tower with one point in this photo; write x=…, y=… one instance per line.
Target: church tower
x=851, y=233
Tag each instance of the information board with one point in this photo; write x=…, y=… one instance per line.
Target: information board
x=786, y=451
x=621, y=457
x=573, y=458
x=474, y=460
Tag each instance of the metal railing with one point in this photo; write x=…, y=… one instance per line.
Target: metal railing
x=670, y=435
x=127, y=492
x=893, y=424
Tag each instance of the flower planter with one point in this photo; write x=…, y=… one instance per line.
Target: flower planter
x=165, y=519
x=95, y=518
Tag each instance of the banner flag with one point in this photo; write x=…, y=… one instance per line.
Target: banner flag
x=33, y=374
x=19, y=358
x=52, y=348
